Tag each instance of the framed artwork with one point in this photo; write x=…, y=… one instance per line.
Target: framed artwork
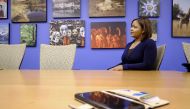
x=4, y=33
x=154, y=30
x=180, y=18
x=149, y=8
x=67, y=32
x=3, y=9
x=66, y=8
x=28, y=34
x=106, y=8
x=27, y=11
x=108, y=35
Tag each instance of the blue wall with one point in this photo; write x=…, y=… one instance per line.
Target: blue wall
x=87, y=58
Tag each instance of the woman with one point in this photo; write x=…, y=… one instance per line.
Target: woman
x=140, y=54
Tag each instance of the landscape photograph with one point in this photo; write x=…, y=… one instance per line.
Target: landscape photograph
x=28, y=10
x=106, y=8
x=180, y=18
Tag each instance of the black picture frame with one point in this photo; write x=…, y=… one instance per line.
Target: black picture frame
x=28, y=11
x=154, y=24
x=66, y=9
x=106, y=8
x=65, y=32
x=108, y=35
x=4, y=33
x=28, y=34
x=3, y=9
x=180, y=19
x=149, y=8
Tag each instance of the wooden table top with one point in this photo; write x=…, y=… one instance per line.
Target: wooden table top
x=55, y=89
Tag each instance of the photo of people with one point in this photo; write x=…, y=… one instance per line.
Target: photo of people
x=67, y=32
x=108, y=35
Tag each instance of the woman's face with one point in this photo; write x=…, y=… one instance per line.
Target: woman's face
x=136, y=30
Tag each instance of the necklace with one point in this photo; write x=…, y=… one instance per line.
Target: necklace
x=134, y=44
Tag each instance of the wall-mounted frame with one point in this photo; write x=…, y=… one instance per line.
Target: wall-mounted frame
x=27, y=11
x=149, y=8
x=106, y=8
x=180, y=18
x=67, y=32
x=108, y=35
x=154, y=30
x=28, y=34
x=4, y=33
x=66, y=8
x=3, y=9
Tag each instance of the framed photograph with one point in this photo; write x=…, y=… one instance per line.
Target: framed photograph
x=4, y=33
x=149, y=8
x=154, y=30
x=66, y=8
x=67, y=32
x=108, y=35
x=106, y=8
x=3, y=9
x=180, y=18
x=28, y=34
x=27, y=11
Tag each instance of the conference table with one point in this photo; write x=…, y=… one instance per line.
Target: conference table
x=55, y=89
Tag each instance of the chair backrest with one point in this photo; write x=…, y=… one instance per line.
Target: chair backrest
x=11, y=55
x=57, y=57
x=186, y=49
x=159, y=57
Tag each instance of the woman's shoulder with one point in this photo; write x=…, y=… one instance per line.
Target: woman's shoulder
x=149, y=42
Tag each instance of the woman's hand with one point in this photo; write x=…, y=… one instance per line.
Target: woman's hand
x=117, y=68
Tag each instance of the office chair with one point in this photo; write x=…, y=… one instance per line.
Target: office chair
x=186, y=49
x=11, y=56
x=160, y=55
x=57, y=57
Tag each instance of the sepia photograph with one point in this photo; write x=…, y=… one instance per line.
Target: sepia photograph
x=108, y=35
x=180, y=18
x=28, y=34
x=67, y=32
x=66, y=8
x=4, y=33
x=3, y=9
x=149, y=8
x=106, y=8
x=154, y=30
x=28, y=11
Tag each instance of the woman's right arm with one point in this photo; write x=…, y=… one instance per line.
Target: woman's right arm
x=114, y=66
